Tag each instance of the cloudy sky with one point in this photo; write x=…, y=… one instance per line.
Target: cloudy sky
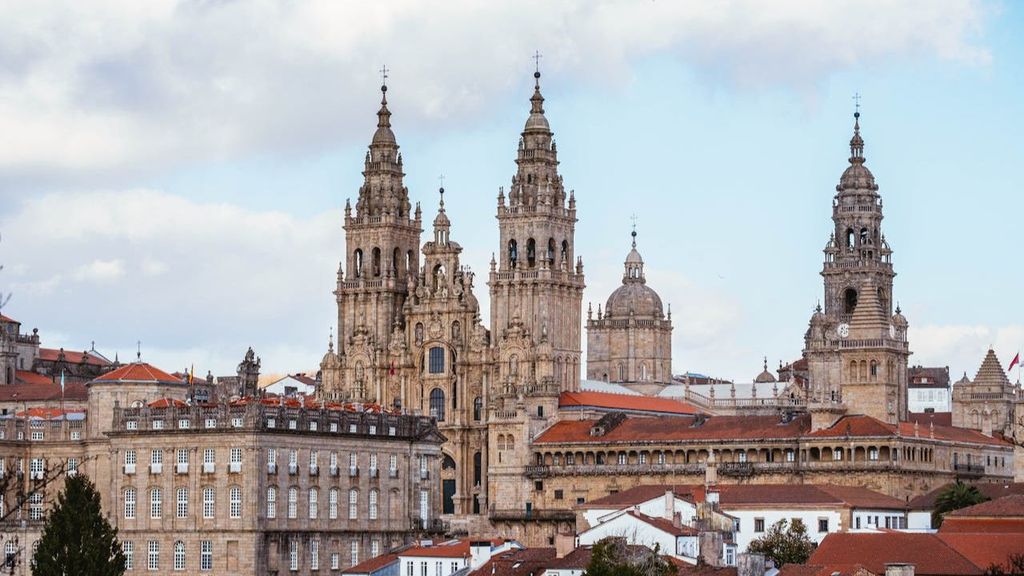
x=173, y=172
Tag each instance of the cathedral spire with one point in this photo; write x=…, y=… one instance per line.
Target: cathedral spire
x=856, y=143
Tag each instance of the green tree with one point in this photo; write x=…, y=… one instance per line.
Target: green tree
x=612, y=557
x=77, y=539
x=954, y=497
x=784, y=543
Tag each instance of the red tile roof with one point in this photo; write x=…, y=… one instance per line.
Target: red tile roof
x=985, y=550
x=4, y=318
x=929, y=554
x=46, y=413
x=822, y=570
x=981, y=525
x=520, y=562
x=624, y=402
x=674, y=429
x=139, y=372
x=937, y=418
x=167, y=403
x=73, y=391
x=373, y=564
x=990, y=490
x=26, y=377
x=757, y=495
x=53, y=354
x=663, y=524
x=859, y=425
x=1011, y=505
x=450, y=549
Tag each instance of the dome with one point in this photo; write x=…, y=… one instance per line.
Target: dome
x=765, y=376
x=634, y=257
x=634, y=297
x=857, y=177
x=383, y=135
x=537, y=121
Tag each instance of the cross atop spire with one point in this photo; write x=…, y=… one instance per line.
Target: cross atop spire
x=384, y=77
x=856, y=104
x=633, y=234
x=536, y=62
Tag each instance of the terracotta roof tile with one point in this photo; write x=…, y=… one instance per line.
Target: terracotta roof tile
x=73, y=391
x=518, y=562
x=640, y=494
x=372, y=564
x=859, y=425
x=1011, y=505
x=924, y=418
x=450, y=549
x=26, y=377
x=624, y=402
x=985, y=550
x=681, y=428
x=46, y=413
x=138, y=372
x=929, y=554
x=167, y=403
x=662, y=524
x=757, y=495
x=52, y=355
x=990, y=490
x=981, y=525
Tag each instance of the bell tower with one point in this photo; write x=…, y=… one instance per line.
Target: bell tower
x=381, y=252
x=856, y=348
x=537, y=284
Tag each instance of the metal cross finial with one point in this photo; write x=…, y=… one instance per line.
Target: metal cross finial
x=441, y=179
x=138, y=353
x=384, y=75
x=536, y=60
x=856, y=102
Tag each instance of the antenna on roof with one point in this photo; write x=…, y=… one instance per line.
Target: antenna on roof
x=138, y=353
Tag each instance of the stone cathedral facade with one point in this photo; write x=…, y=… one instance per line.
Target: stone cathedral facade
x=522, y=447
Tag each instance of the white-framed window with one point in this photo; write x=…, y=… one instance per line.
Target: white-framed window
x=76, y=434
x=158, y=425
x=292, y=424
x=332, y=504
x=293, y=555
x=209, y=501
x=235, y=460
x=790, y=456
x=373, y=429
x=741, y=456
x=211, y=422
x=236, y=422
x=373, y=504
x=352, y=428
x=293, y=502
x=353, y=461
x=155, y=503
x=314, y=457
x=36, y=468
x=314, y=497
x=391, y=430
x=334, y=427
x=182, y=456
x=131, y=425
x=156, y=456
x=335, y=561
x=272, y=502
x=209, y=456
x=271, y=458
x=179, y=555
x=129, y=503
x=353, y=504
x=235, y=501
x=293, y=461
x=873, y=454
x=182, y=501
x=37, y=435
x=128, y=547
x=837, y=454
x=373, y=464
x=184, y=424
x=153, y=562
x=393, y=463
x=314, y=554
x=374, y=548
x=312, y=425
x=354, y=552
x=206, y=555
x=271, y=423
x=35, y=506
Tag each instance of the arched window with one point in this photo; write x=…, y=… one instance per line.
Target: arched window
x=394, y=261
x=373, y=504
x=438, y=277
x=864, y=239
x=874, y=369
x=477, y=468
x=849, y=300
x=622, y=373
x=552, y=248
x=436, y=360
x=437, y=404
x=849, y=239
x=314, y=503
x=376, y=262
x=293, y=502
x=271, y=502
x=359, y=370
x=643, y=372
x=447, y=463
x=853, y=371
x=531, y=252
x=179, y=555
x=410, y=259
x=359, y=262
x=332, y=504
x=565, y=249
x=478, y=408
x=513, y=253
x=353, y=504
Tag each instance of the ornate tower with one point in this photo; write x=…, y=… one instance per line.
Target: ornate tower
x=443, y=363
x=382, y=250
x=631, y=340
x=537, y=283
x=856, y=348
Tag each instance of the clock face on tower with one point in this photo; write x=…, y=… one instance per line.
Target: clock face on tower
x=843, y=330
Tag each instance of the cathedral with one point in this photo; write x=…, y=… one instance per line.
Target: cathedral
x=526, y=438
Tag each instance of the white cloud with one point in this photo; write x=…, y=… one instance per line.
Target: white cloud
x=963, y=346
x=133, y=84
x=226, y=277
x=100, y=271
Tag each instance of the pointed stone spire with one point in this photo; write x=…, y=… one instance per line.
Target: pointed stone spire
x=384, y=135
x=868, y=320
x=857, y=176
x=991, y=375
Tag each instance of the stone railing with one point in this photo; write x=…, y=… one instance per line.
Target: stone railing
x=530, y=514
x=969, y=470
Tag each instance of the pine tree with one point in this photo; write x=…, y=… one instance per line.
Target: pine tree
x=76, y=538
x=784, y=543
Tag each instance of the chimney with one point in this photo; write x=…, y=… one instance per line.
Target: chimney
x=749, y=564
x=710, y=548
x=564, y=544
x=899, y=569
x=670, y=504
x=677, y=519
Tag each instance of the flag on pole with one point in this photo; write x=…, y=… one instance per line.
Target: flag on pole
x=192, y=375
x=1014, y=362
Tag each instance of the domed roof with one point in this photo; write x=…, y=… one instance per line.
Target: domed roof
x=636, y=298
x=857, y=176
x=634, y=257
x=383, y=135
x=765, y=375
x=537, y=121
x=441, y=220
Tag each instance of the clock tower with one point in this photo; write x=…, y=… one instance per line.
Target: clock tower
x=856, y=348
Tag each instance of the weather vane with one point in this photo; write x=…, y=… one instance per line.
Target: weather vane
x=856, y=102
x=384, y=75
x=536, y=60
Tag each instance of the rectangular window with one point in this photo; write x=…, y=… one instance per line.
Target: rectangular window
x=235, y=461
x=314, y=457
x=158, y=425
x=354, y=553
x=209, y=456
x=209, y=495
x=37, y=435
x=374, y=548
x=293, y=502
x=128, y=547
x=154, y=555
x=211, y=422
x=132, y=425
x=758, y=524
x=184, y=424
x=293, y=555
x=314, y=554
x=332, y=504
x=314, y=503
x=206, y=555
x=129, y=503
x=559, y=494
x=822, y=524
x=538, y=485
x=312, y=425
x=353, y=504
x=335, y=561
x=155, y=503
x=182, y=503
x=235, y=501
x=236, y=422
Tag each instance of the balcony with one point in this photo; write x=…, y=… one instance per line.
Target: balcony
x=234, y=467
x=293, y=469
x=374, y=473
x=271, y=468
x=531, y=514
x=156, y=468
x=430, y=526
x=393, y=473
x=334, y=471
x=128, y=469
x=181, y=468
x=543, y=471
x=969, y=470
x=208, y=467
x=740, y=469
x=353, y=472
x=314, y=470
